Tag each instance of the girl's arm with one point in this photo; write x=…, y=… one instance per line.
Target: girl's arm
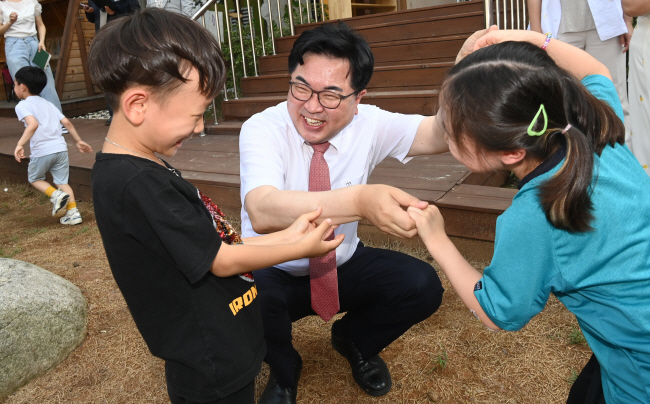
x=463, y=277
x=535, y=14
x=30, y=129
x=574, y=60
x=40, y=27
x=240, y=258
x=635, y=8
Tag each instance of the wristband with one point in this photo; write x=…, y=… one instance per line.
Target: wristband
x=548, y=39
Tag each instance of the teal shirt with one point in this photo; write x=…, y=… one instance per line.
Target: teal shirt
x=602, y=276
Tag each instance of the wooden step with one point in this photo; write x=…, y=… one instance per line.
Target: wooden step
x=386, y=78
x=422, y=50
x=424, y=102
x=457, y=24
x=405, y=15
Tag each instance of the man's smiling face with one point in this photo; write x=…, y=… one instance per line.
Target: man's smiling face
x=315, y=123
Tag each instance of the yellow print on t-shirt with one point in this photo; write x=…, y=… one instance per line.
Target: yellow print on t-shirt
x=245, y=300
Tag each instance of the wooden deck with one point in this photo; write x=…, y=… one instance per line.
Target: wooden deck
x=470, y=203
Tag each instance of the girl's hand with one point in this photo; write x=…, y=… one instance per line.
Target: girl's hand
x=84, y=147
x=497, y=36
x=468, y=46
x=13, y=17
x=41, y=46
x=429, y=221
x=314, y=242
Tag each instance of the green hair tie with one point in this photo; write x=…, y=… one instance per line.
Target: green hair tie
x=531, y=132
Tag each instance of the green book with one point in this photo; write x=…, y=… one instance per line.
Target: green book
x=42, y=58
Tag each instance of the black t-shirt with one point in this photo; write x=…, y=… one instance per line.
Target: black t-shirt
x=160, y=242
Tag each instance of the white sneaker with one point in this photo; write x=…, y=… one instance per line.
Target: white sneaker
x=60, y=200
x=64, y=130
x=71, y=217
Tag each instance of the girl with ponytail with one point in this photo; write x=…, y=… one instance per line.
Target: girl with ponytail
x=579, y=227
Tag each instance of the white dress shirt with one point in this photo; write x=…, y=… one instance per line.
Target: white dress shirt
x=608, y=16
x=273, y=153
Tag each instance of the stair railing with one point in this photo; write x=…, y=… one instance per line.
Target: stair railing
x=506, y=14
x=247, y=40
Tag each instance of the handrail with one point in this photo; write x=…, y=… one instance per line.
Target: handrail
x=496, y=13
x=247, y=40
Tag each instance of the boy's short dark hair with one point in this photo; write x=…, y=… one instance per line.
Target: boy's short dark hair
x=154, y=48
x=33, y=78
x=339, y=41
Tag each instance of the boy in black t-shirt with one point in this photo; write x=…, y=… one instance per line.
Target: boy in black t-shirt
x=160, y=71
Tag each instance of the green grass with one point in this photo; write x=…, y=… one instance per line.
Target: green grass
x=576, y=337
x=571, y=379
x=11, y=254
x=440, y=360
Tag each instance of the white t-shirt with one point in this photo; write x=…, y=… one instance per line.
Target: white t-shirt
x=48, y=138
x=273, y=153
x=27, y=11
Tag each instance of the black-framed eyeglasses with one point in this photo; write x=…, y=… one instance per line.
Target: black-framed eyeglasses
x=328, y=99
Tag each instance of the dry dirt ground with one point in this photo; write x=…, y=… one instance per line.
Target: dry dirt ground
x=449, y=358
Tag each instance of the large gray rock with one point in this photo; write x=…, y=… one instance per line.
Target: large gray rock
x=42, y=320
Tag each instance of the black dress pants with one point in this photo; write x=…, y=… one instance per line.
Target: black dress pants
x=383, y=292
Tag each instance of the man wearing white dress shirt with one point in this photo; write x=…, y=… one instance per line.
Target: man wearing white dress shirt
x=383, y=292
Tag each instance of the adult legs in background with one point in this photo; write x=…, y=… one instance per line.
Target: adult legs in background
x=610, y=54
x=384, y=293
x=20, y=53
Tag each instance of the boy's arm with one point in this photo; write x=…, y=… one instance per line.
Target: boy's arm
x=240, y=258
x=461, y=274
x=30, y=129
x=81, y=145
x=574, y=60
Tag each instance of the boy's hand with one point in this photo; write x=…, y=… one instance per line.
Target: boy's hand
x=303, y=225
x=19, y=153
x=84, y=147
x=429, y=221
x=314, y=243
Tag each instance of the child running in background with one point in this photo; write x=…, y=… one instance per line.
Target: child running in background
x=48, y=149
x=579, y=227
x=160, y=71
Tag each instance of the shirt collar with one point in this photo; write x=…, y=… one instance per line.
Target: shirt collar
x=547, y=165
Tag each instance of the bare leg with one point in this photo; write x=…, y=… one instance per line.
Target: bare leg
x=41, y=185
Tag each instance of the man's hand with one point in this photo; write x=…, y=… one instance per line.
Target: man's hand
x=468, y=46
x=109, y=11
x=382, y=206
x=84, y=147
x=41, y=46
x=19, y=153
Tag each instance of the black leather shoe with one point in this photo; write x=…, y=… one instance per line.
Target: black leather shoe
x=274, y=394
x=371, y=375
